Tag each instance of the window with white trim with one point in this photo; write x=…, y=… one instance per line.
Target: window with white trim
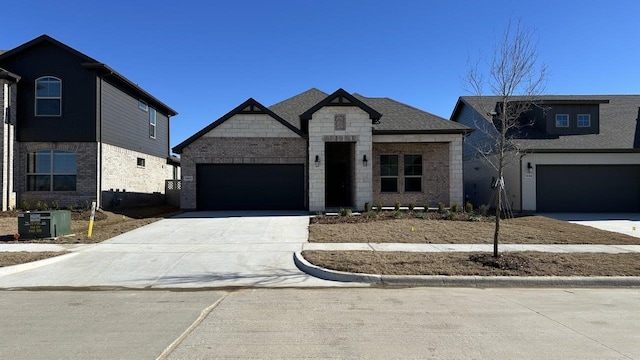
x=48, y=96
x=389, y=173
x=584, y=120
x=562, y=120
x=143, y=105
x=152, y=123
x=413, y=173
x=51, y=170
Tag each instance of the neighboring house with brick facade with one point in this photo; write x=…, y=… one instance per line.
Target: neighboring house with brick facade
x=76, y=131
x=572, y=153
x=318, y=151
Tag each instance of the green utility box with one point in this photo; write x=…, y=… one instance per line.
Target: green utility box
x=44, y=224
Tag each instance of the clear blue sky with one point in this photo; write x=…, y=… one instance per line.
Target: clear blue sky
x=203, y=58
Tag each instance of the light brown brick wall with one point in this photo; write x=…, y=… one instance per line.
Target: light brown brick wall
x=239, y=150
x=435, y=173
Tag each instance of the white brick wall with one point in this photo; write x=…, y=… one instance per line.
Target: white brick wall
x=120, y=171
x=251, y=125
x=359, y=127
x=456, y=181
x=7, y=145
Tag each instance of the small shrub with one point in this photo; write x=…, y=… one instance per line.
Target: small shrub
x=475, y=218
x=426, y=207
x=440, y=207
x=397, y=207
x=372, y=215
x=422, y=215
x=468, y=207
x=367, y=206
x=42, y=205
x=455, y=207
x=411, y=206
x=344, y=212
x=483, y=210
x=450, y=215
x=55, y=205
x=25, y=205
x=378, y=207
x=398, y=214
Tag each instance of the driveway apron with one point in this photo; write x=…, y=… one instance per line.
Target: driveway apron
x=191, y=250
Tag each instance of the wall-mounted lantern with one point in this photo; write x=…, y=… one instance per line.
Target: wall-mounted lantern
x=317, y=160
x=364, y=160
x=529, y=168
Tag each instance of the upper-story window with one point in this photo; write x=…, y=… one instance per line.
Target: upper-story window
x=48, y=96
x=584, y=120
x=562, y=120
x=143, y=105
x=152, y=123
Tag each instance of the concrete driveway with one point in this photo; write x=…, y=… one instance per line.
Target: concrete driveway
x=192, y=250
x=624, y=223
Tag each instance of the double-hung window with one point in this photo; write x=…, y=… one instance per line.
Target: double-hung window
x=389, y=173
x=51, y=170
x=48, y=96
x=413, y=173
x=562, y=120
x=152, y=123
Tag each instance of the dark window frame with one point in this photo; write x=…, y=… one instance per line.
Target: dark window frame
x=51, y=176
x=153, y=120
x=42, y=98
x=413, y=172
x=140, y=162
x=387, y=173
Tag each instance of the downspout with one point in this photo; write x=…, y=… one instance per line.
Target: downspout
x=100, y=167
x=520, y=170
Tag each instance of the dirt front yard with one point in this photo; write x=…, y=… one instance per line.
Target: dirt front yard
x=520, y=230
x=432, y=229
x=107, y=224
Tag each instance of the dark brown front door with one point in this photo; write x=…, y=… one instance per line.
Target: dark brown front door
x=339, y=175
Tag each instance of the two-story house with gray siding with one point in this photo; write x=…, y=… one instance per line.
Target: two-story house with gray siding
x=572, y=153
x=317, y=151
x=78, y=131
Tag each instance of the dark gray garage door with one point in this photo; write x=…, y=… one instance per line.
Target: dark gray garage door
x=588, y=188
x=250, y=187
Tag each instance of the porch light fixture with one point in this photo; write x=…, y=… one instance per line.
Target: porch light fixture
x=529, y=168
x=364, y=160
x=317, y=160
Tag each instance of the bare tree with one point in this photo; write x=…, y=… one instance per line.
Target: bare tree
x=514, y=79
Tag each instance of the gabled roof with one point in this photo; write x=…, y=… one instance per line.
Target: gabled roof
x=341, y=98
x=6, y=75
x=250, y=106
x=399, y=118
x=394, y=117
x=91, y=63
x=619, y=122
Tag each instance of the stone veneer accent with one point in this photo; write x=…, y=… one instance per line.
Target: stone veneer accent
x=86, y=178
x=236, y=150
x=7, y=144
x=251, y=125
x=358, y=130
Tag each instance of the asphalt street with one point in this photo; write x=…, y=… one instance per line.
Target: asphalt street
x=425, y=323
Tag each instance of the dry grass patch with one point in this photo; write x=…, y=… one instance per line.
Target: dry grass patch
x=21, y=257
x=528, y=263
x=106, y=225
x=521, y=230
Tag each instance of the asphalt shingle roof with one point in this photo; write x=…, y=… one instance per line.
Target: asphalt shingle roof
x=396, y=116
x=619, y=124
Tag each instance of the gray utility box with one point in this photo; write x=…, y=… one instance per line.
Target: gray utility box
x=44, y=224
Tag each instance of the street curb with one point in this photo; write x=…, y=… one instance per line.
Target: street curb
x=13, y=269
x=465, y=281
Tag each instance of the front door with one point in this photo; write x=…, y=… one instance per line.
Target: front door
x=339, y=175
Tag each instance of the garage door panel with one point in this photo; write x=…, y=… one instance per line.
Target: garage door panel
x=588, y=188
x=250, y=187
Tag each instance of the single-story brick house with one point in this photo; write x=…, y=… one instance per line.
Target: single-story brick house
x=317, y=151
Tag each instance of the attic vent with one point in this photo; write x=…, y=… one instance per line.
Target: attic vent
x=340, y=121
